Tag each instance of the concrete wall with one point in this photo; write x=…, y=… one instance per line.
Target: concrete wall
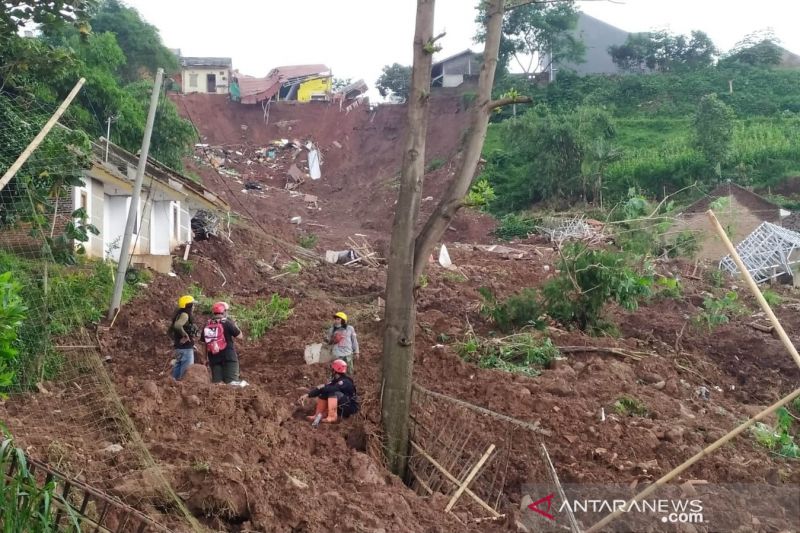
x=199, y=77
x=90, y=197
x=597, y=37
x=738, y=220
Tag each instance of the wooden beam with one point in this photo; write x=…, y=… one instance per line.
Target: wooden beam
x=449, y=476
x=469, y=478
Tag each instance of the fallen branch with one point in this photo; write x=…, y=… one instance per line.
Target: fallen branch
x=692, y=371
x=761, y=327
x=360, y=258
x=636, y=356
x=501, y=102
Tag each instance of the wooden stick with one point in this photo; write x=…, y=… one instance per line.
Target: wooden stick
x=470, y=477
x=689, y=462
x=638, y=356
x=754, y=288
x=573, y=524
x=34, y=144
x=360, y=258
x=449, y=476
x=186, y=251
x=527, y=425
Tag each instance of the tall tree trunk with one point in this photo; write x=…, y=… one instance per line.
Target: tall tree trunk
x=483, y=105
x=398, y=336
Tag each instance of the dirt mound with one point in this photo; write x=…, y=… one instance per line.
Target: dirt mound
x=361, y=154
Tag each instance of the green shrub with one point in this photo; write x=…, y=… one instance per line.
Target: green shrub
x=715, y=277
x=718, y=311
x=779, y=439
x=589, y=280
x=307, y=241
x=522, y=353
x=264, y=315
x=435, y=164
x=772, y=297
x=515, y=226
x=455, y=277
x=669, y=288
x=25, y=503
x=185, y=267
x=520, y=310
x=480, y=195
x=12, y=314
x=629, y=406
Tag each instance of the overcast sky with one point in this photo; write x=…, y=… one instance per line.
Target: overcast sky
x=357, y=37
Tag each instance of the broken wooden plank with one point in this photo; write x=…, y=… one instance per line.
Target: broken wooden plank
x=469, y=478
x=449, y=476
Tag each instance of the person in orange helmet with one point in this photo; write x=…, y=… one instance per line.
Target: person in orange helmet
x=338, y=397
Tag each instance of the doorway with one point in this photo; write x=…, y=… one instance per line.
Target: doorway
x=211, y=83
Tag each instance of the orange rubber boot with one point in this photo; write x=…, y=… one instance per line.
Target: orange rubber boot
x=319, y=409
x=333, y=406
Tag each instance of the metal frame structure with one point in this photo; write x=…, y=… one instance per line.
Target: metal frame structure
x=767, y=253
x=561, y=229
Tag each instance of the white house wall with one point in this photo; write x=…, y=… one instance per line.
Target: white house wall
x=221, y=74
x=161, y=228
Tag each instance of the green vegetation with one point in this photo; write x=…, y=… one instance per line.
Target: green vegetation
x=255, y=319
x=264, y=315
x=435, y=164
x=12, y=314
x=772, y=297
x=480, y=195
x=521, y=310
x=307, y=240
x=76, y=296
x=629, y=406
x=455, y=277
x=185, y=267
x=522, y=353
x=514, y=226
x=779, y=439
x=26, y=504
x=718, y=311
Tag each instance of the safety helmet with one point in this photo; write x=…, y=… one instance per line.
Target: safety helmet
x=185, y=300
x=339, y=366
x=341, y=315
x=219, y=308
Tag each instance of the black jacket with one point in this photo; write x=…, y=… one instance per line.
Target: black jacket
x=189, y=328
x=348, y=401
x=231, y=330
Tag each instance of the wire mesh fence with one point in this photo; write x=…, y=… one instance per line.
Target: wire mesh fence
x=63, y=406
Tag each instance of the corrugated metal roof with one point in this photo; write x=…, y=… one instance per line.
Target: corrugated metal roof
x=359, y=87
x=224, y=62
x=254, y=90
x=455, y=56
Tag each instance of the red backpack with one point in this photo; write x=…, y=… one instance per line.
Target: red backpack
x=214, y=336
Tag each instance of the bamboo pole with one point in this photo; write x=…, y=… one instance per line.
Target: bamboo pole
x=497, y=416
x=573, y=524
x=34, y=144
x=754, y=288
x=689, y=462
x=449, y=476
x=469, y=478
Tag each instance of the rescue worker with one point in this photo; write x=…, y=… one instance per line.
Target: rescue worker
x=220, y=352
x=338, y=397
x=343, y=339
x=183, y=332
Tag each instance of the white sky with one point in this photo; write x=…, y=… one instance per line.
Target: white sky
x=357, y=37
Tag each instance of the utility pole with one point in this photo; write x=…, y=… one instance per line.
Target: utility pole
x=110, y=119
x=133, y=210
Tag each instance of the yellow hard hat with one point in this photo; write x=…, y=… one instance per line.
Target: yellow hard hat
x=341, y=315
x=185, y=300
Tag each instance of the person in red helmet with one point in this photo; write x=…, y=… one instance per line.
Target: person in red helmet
x=338, y=397
x=217, y=337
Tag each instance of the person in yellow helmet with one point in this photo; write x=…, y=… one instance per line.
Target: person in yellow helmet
x=343, y=339
x=183, y=332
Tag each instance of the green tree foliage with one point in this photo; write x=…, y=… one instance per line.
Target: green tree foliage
x=17, y=13
x=536, y=34
x=663, y=51
x=140, y=41
x=12, y=314
x=758, y=49
x=713, y=128
x=394, y=81
x=548, y=156
x=590, y=279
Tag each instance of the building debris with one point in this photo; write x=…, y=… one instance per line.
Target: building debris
x=769, y=252
x=559, y=230
x=205, y=224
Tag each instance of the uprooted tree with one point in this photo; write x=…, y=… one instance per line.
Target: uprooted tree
x=407, y=253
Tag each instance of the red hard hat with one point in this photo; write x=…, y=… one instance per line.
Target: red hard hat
x=219, y=308
x=339, y=366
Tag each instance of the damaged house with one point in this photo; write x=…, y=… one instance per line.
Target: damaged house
x=739, y=210
x=168, y=203
x=301, y=83
x=205, y=75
